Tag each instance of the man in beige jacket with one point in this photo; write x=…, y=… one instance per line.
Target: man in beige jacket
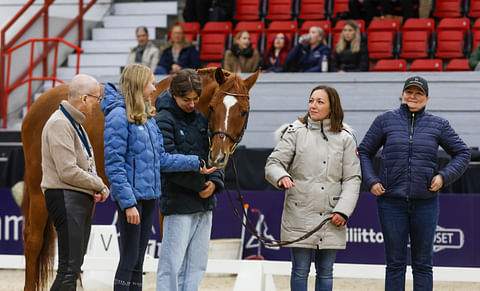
x=70, y=181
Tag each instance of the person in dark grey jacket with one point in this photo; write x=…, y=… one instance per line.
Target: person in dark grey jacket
x=187, y=199
x=409, y=179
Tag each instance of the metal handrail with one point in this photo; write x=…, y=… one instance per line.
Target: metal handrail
x=31, y=67
x=78, y=20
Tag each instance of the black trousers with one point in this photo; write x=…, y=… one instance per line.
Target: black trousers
x=133, y=244
x=71, y=213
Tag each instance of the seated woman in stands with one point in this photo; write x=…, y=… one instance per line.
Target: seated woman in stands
x=351, y=53
x=145, y=53
x=277, y=53
x=308, y=54
x=178, y=53
x=242, y=58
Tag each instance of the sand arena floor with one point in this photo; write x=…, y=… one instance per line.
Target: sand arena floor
x=12, y=280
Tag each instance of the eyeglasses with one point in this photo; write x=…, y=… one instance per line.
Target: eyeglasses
x=99, y=98
x=279, y=38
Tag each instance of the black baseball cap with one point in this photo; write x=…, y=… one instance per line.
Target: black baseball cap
x=417, y=81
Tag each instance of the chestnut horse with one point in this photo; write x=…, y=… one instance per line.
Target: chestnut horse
x=224, y=99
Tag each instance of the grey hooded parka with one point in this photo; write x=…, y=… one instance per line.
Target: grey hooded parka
x=325, y=168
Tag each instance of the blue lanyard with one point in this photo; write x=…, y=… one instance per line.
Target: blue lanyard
x=80, y=132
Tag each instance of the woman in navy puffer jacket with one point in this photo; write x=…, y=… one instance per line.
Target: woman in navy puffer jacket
x=134, y=157
x=409, y=180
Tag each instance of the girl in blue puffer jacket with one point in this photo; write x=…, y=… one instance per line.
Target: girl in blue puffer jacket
x=134, y=157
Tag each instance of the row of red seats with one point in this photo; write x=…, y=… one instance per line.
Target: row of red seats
x=252, y=10
x=417, y=38
x=422, y=65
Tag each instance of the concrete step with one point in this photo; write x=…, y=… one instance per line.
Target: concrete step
x=96, y=60
x=67, y=73
x=107, y=46
x=125, y=33
x=135, y=20
x=145, y=8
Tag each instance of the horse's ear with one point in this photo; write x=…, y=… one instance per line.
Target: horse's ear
x=219, y=76
x=250, y=81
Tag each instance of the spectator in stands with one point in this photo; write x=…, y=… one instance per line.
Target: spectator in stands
x=145, y=52
x=474, y=61
x=351, y=53
x=69, y=180
x=179, y=53
x=188, y=198
x=277, y=53
x=308, y=55
x=134, y=157
x=315, y=162
x=409, y=180
x=363, y=9
x=242, y=58
x=208, y=10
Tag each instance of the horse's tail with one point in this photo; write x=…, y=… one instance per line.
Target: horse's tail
x=46, y=257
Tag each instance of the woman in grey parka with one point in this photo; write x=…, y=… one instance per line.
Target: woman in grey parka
x=316, y=162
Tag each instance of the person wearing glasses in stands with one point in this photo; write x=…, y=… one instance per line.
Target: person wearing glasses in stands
x=277, y=53
x=409, y=179
x=134, y=159
x=69, y=180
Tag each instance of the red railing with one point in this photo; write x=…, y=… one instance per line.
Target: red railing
x=52, y=78
x=78, y=20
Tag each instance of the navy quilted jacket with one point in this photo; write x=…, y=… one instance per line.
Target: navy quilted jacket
x=409, y=158
x=184, y=133
x=134, y=154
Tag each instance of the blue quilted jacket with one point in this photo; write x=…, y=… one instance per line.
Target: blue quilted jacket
x=409, y=158
x=134, y=154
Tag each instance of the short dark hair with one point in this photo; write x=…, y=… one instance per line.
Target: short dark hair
x=336, y=110
x=185, y=81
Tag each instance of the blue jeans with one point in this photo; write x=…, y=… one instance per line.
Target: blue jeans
x=133, y=244
x=301, y=260
x=184, y=251
x=401, y=219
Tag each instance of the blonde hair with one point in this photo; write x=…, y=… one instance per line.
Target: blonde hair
x=355, y=43
x=239, y=35
x=133, y=81
x=321, y=32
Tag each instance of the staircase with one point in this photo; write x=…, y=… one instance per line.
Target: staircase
x=107, y=52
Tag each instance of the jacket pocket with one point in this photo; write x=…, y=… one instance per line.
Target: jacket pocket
x=294, y=213
x=333, y=201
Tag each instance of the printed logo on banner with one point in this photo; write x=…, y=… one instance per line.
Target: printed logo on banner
x=448, y=238
x=445, y=238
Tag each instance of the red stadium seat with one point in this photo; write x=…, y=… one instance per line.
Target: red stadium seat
x=256, y=30
x=399, y=65
x=416, y=38
x=476, y=34
x=214, y=38
x=312, y=10
x=213, y=64
x=382, y=34
x=191, y=30
x=452, y=38
x=289, y=28
x=337, y=30
x=474, y=11
x=324, y=24
x=280, y=9
x=458, y=65
x=247, y=10
x=448, y=8
x=339, y=7
x=428, y=65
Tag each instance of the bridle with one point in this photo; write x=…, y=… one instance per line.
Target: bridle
x=236, y=140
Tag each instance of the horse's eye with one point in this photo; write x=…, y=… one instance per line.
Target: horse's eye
x=210, y=108
x=244, y=113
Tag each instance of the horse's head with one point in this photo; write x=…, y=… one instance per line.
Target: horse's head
x=229, y=108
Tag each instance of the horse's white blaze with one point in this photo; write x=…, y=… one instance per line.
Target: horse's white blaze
x=228, y=101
